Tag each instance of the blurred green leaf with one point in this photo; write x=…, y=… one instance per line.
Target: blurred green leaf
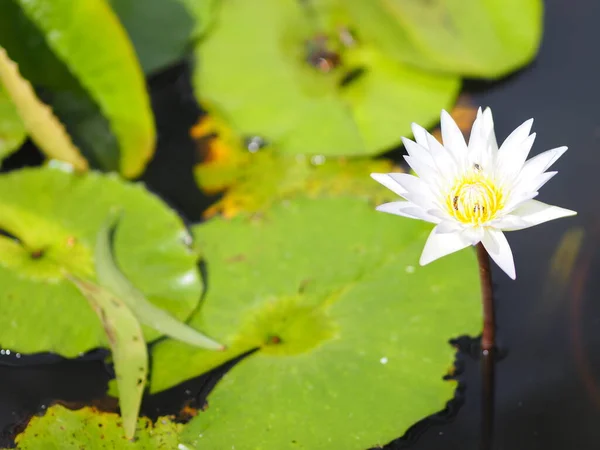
x=204, y=11
x=274, y=70
x=475, y=38
x=160, y=30
x=63, y=429
x=77, y=50
x=12, y=128
x=127, y=346
x=54, y=218
x=160, y=320
x=45, y=129
x=330, y=293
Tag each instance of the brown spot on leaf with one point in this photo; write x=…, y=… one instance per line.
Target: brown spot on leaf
x=236, y=258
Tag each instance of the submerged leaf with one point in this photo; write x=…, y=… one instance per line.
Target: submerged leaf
x=149, y=314
x=12, y=128
x=127, y=346
x=50, y=221
x=330, y=293
x=44, y=128
x=87, y=428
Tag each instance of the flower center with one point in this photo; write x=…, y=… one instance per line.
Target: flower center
x=474, y=199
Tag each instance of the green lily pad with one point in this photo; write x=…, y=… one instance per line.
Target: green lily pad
x=471, y=37
x=12, y=129
x=80, y=54
x=306, y=88
x=160, y=30
x=64, y=429
x=55, y=217
x=330, y=293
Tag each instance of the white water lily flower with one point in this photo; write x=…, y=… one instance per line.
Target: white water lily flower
x=473, y=192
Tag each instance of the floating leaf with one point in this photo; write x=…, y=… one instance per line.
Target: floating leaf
x=331, y=294
x=307, y=86
x=54, y=217
x=254, y=179
x=111, y=277
x=79, y=49
x=127, y=347
x=470, y=37
x=160, y=30
x=12, y=129
x=63, y=429
x=45, y=129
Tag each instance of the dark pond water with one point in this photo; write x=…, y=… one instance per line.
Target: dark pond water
x=548, y=380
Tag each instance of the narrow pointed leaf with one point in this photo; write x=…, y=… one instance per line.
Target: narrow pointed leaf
x=44, y=128
x=78, y=49
x=129, y=352
x=110, y=276
x=12, y=128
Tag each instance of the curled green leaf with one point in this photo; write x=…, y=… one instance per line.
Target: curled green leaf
x=110, y=276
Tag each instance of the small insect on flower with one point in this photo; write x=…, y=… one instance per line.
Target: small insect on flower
x=473, y=192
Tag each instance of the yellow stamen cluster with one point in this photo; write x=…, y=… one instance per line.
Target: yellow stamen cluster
x=474, y=199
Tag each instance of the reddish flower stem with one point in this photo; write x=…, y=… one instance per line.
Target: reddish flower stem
x=487, y=299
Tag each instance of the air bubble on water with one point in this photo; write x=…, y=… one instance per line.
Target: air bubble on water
x=18, y=355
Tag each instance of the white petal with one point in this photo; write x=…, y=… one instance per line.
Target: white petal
x=478, y=139
x=516, y=199
x=417, y=151
x=442, y=244
x=422, y=169
x=511, y=161
x=540, y=163
x=516, y=137
x=451, y=135
x=411, y=184
x=473, y=234
x=444, y=161
x=389, y=182
x=410, y=187
x=497, y=247
x=539, y=181
x=488, y=128
x=448, y=226
x=406, y=209
x=534, y=212
x=420, y=134
x=508, y=223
